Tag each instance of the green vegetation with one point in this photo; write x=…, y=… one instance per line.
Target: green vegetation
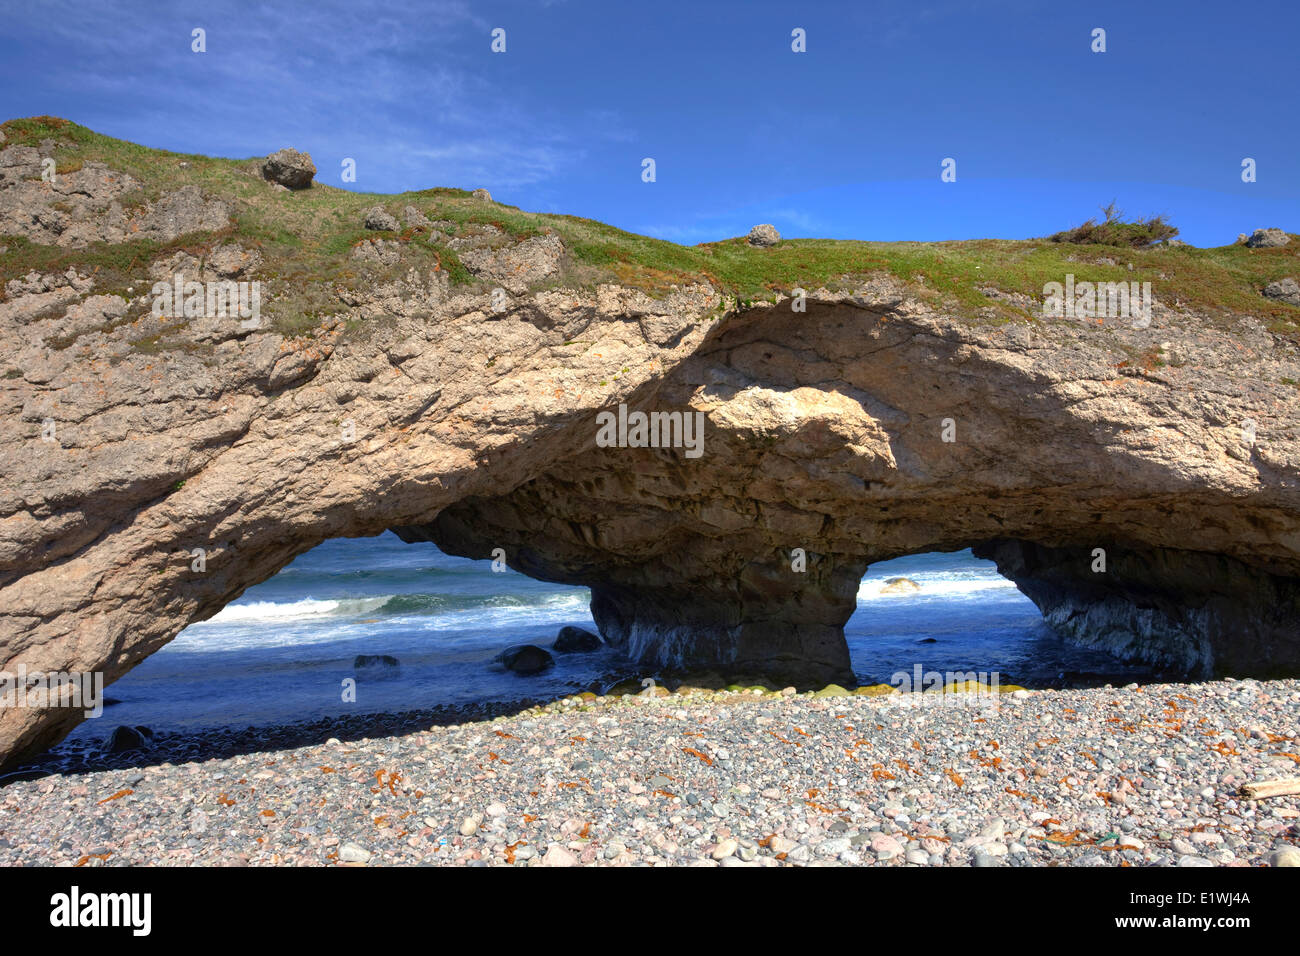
x=1114, y=231
x=305, y=239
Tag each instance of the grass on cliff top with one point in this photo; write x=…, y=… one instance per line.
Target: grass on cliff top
x=305, y=238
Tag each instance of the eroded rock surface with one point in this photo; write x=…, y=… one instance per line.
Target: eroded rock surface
x=84, y=205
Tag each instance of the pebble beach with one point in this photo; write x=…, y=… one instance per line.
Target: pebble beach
x=1136, y=776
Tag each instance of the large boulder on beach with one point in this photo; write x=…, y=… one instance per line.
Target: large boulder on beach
x=573, y=640
x=525, y=659
x=289, y=168
x=125, y=739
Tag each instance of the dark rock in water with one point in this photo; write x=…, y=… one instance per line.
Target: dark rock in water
x=124, y=739
x=575, y=639
x=110, y=701
x=928, y=640
x=525, y=659
x=144, y=731
x=376, y=666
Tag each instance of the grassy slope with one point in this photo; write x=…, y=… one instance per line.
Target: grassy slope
x=305, y=236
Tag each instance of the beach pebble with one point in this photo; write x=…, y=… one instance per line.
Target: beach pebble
x=558, y=856
x=724, y=849
x=805, y=781
x=351, y=853
x=1284, y=856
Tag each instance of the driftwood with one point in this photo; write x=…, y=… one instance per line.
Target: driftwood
x=1263, y=789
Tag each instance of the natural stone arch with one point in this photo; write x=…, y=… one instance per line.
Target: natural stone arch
x=826, y=433
x=476, y=429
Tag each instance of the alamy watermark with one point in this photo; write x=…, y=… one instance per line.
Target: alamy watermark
x=1098, y=300
x=651, y=430
x=209, y=300
x=79, y=689
x=949, y=688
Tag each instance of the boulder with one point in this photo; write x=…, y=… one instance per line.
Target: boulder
x=482, y=194
x=125, y=739
x=1267, y=239
x=764, y=235
x=289, y=168
x=377, y=217
x=572, y=640
x=1284, y=290
x=413, y=217
x=525, y=659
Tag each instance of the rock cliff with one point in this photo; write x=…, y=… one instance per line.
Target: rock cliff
x=446, y=379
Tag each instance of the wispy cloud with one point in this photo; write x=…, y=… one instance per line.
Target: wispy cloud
x=404, y=88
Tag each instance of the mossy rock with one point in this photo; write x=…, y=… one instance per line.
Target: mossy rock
x=875, y=690
x=833, y=690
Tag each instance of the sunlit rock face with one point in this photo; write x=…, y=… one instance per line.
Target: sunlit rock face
x=152, y=473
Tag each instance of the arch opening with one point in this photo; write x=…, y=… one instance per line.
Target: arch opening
x=274, y=664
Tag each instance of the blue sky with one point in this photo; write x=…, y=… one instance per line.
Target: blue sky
x=845, y=140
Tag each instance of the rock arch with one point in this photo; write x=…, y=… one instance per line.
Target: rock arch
x=476, y=429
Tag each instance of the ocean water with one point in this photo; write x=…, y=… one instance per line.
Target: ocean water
x=280, y=653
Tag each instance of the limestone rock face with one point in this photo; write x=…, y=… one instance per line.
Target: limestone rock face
x=1286, y=290
x=517, y=267
x=1267, y=239
x=152, y=471
x=80, y=206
